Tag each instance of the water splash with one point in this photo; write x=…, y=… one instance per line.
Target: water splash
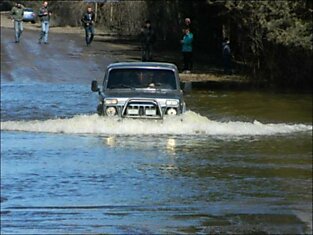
x=190, y=123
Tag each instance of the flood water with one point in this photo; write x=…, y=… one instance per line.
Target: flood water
x=236, y=162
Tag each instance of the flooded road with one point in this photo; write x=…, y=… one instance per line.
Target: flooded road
x=236, y=162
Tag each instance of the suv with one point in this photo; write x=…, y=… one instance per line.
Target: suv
x=140, y=90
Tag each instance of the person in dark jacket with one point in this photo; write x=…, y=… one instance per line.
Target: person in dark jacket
x=147, y=38
x=88, y=20
x=44, y=15
x=227, y=56
x=187, y=23
x=17, y=14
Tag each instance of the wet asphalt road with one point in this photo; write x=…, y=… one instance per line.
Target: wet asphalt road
x=65, y=59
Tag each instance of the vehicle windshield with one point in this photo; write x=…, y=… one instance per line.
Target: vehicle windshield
x=141, y=78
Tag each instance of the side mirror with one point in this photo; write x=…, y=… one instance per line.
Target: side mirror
x=94, y=86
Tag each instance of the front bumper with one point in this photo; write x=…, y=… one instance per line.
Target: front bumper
x=141, y=108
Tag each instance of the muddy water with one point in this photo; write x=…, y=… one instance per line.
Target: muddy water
x=236, y=162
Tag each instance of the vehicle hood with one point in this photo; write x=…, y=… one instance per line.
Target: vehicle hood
x=146, y=94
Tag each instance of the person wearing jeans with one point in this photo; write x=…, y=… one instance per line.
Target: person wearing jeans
x=17, y=13
x=44, y=32
x=88, y=20
x=44, y=15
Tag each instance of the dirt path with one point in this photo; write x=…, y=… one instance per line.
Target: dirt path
x=64, y=59
x=67, y=59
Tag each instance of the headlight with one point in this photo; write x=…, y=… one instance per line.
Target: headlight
x=110, y=101
x=171, y=111
x=172, y=102
x=110, y=111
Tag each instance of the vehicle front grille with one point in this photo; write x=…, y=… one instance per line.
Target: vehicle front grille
x=142, y=109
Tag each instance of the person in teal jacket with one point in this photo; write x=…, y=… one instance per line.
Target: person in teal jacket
x=187, y=50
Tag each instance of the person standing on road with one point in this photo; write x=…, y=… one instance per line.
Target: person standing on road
x=17, y=14
x=147, y=38
x=44, y=15
x=227, y=56
x=187, y=50
x=187, y=23
x=88, y=20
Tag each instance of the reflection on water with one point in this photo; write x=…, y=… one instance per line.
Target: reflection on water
x=198, y=176
x=171, y=145
x=155, y=184
x=110, y=141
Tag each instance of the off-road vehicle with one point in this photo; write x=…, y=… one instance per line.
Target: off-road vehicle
x=140, y=90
